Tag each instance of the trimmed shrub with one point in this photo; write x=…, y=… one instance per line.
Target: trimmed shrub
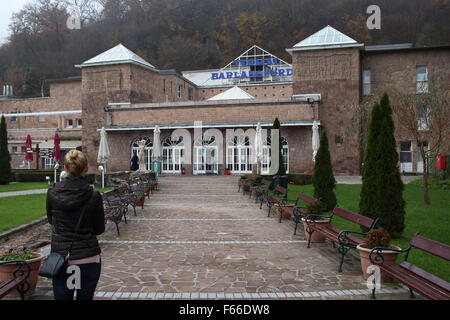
x=5, y=157
x=323, y=178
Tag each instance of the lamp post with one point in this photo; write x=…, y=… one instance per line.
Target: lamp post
x=56, y=168
x=102, y=169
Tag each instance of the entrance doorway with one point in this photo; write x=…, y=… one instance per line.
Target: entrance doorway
x=239, y=155
x=173, y=153
x=206, y=156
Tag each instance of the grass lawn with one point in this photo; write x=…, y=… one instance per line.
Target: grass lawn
x=18, y=210
x=431, y=221
x=15, y=211
x=22, y=186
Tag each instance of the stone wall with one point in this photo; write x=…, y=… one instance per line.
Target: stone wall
x=335, y=74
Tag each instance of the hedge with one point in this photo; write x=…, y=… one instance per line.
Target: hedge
x=40, y=175
x=300, y=179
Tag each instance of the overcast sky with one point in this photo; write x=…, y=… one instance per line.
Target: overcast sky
x=7, y=7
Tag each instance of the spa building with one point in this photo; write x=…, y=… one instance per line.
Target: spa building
x=329, y=74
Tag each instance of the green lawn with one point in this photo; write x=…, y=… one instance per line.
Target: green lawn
x=431, y=221
x=15, y=211
x=18, y=210
x=22, y=186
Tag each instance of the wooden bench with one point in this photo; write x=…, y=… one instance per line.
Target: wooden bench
x=415, y=278
x=277, y=197
x=296, y=211
x=116, y=214
x=261, y=189
x=346, y=239
x=19, y=282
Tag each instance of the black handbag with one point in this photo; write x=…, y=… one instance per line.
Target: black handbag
x=55, y=262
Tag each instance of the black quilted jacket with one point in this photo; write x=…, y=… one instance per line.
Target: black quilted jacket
x=65, y=200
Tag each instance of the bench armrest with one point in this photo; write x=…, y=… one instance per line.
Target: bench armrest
x=376, y=257
x=342, y=237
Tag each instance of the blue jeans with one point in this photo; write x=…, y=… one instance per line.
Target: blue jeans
x=90, y=274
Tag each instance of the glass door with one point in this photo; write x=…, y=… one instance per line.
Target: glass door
x=199, y=160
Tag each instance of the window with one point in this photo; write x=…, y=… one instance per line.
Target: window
x=70, y=123
x=14, y=149
x=191, y=94
x=41, y=118
x=180, y=91
x=23, y=149
x=13, y=119
x=79, y=123
x=422, y=79
x=405, y=152
x=367, y=82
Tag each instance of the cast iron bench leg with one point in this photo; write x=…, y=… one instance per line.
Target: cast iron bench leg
x=310, y=232
x=343, y=250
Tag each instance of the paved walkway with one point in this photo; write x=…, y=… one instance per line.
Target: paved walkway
x=22, y=193
x=198, y=238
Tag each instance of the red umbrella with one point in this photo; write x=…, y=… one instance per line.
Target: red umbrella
x=57, y=148
x=29, y=152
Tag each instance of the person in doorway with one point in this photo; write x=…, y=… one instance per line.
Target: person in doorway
x=75, y=212
x=134, y=162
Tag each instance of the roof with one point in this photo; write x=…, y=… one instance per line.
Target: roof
x=327, y=38
x=384, y=47
x=234, y=93
x=117, y=55
x=288, y=123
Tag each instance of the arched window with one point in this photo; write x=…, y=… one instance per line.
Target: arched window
x=173, y=153
x=239, y=155
x=148, y=149
x=267, y=143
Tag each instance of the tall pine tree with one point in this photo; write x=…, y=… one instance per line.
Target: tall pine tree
x=390, y=204
x=5, y=158
x=323, y=178
x=368, y=196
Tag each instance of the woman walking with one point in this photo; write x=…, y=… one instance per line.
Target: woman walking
x=76, y=214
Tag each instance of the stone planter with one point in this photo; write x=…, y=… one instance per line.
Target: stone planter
x=7, y=270
x=286, y=215
x=390, y=258
x=315, y=237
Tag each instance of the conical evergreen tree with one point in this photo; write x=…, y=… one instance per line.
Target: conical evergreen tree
x=281, y=168
x=368, y=197
x=5, y=158
x=390, y=204
x=323, y=178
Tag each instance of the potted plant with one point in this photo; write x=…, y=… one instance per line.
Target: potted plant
x=33, y=259
x=314, y=214
x=227, y=172
x=377, y=238
x=183, y=171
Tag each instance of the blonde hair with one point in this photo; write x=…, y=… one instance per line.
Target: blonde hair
x=75, y=162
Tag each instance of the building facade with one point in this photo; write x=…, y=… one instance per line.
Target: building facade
x=329, y=75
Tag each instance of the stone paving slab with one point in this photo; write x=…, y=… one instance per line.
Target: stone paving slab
x=22, y=193
x=218, y=247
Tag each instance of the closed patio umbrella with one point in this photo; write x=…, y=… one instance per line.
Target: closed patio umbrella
x=156, y=146
x=57, y=148
x=103, y=153
x=258, y=147
x=315, y=140
x=29, y=150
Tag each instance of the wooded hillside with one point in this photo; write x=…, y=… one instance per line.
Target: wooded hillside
x=197, y=34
